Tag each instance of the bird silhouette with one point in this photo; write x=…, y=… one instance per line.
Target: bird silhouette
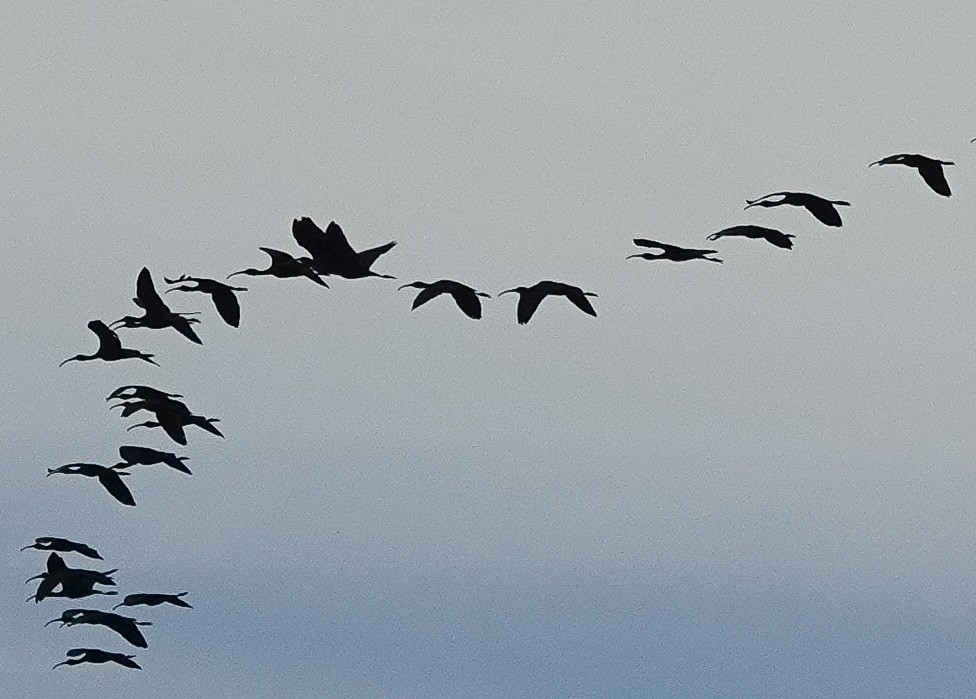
x=152, y=599
x=672, y=252
x=464, y=296
x=157, y=314
x=109, y=477
x=124, y=626
x=929, y=168
x=54, y=543
x=172, y=415
x=331, y=252
x=530, y=298
x=74, y=583
x=221, y=294
x=77, y=656
x=771, y=235
x=140, y=392
x=824, y=210
x=110, y=348
x=284, y=266
x=144, y=456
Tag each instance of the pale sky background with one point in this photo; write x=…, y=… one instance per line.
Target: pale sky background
x=753, y=479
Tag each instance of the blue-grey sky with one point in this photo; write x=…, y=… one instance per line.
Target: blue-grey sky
x=753, y=479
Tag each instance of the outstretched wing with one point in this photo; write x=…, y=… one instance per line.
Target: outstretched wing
x=108, y=339
x=823, y=211
x=328, y=248
x=579, y=299
x=227, y=305
x=528, y=302
x=368, y=257
x=645, y=243
x=934, y=177
x=148, y=298
x=112, y=482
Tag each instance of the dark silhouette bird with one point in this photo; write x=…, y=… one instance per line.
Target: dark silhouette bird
x=824, y=210
x=109, y=477
x=144, y=456
x=464, y=296
x=221, y=294
x=284, y=266
x=771, y=235
x=140, y=392
x=110, y=348
x=172, y=415
x=331, y=252
x=929, y=168
x=77, y=656
x=54, y=543
x=157, y=314
x=152, y=599
x=672, y=252
x=124, y=626
x=61, y=581
x=530, y=298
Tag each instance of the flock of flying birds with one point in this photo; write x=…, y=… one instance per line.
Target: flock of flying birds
x=330, y=254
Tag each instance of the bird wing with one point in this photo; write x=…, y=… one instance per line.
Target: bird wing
x=934, y=176
x=577, y=297
x=112, y=482
x=426, y=295
x=146, y=293
x=182, y=326
x=528, y=302
x=778, y=238
x=209, y=427
x=467, y=300
x=108, y=339
x=645, y=243
x=368, y=257
x=172, y=425
x=823, y=210
x=278, y=257
x=125, y=627
x=227, y=305
x=329, y=248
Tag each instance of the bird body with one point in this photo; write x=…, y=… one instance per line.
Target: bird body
x=672, y=252
x=109, y=477
x=770, y=235
x=824, y=210
x=144, y=456
x=530, y=298
x=54, y=543
x=110, y=348
x=77, y=656
x=332, y=253
x=152, y=599
x=284, y=266
x=929, y=168
x=464, y=296
x=124, y=626
x=157, y=314
x=221, y=294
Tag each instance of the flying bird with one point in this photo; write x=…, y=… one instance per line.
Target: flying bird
x=222, y=295
x=152, y=599
x=530, y=298
x=156, y=314
x=929, y=168
x=824, y=210
x=76, y=656
x=54, y=543
x=109, y=477
x=464, y=296
x=124, y=626
x=172, y=415
x=144, y=456
x=140, y=392
x=74, y=583
x=771, y=235
x=332, y=253
x=672, y=252
x=284, y=266
x=110, y=348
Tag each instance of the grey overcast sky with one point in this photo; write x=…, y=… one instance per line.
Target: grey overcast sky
x=749, y=479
